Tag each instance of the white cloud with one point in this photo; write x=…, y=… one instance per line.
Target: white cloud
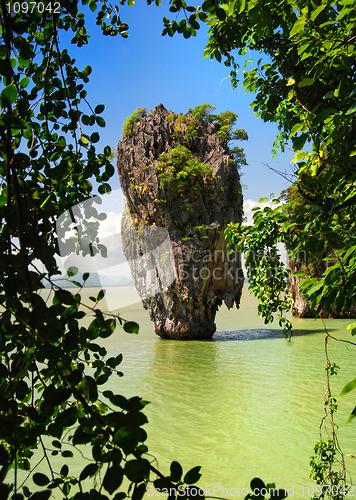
x=248, y=205
x=111, y=225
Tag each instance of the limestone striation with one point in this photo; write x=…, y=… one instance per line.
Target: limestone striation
x=181, y=188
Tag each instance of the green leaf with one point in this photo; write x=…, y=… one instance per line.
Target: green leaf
x=257, y=484
x=295, y=129
x=89, y=389
x=192, y=476
x=72, y=271
x=352, y=416
x=86, y=276
x=95, y=137
x=84, y=140
x=137, y=470
x=315, y=288
x=100, y=121
x=352, y=327
x=113, y=478
x=350, y=386
x=88, y=471
x=351, y=110
x=24, y=82
x=40, y=479
x=317, y=11
x=329, y=95
x=220, y=14
x=321, y=117
x=306, y=82
x=104, y=188
x=92, y=6
x=8, y=95
x=100, y=295
x=67, y=453
x=131, y=327
x=176, y=471
x=56, y=397
x=66, y=418
x=64, y=297
x=99, y=109
x=41, y=495
x=64, y=470
x=298, y=26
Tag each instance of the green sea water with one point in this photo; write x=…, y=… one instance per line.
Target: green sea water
x=247, y=403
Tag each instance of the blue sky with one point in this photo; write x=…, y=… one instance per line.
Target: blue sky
x=147, y=69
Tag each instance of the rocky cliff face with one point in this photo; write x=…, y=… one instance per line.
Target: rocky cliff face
x=300, y=305
x=181, y=189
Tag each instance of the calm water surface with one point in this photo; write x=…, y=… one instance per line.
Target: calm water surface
x=244, y=404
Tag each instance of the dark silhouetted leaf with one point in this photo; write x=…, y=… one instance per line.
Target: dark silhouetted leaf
x=176, y=471
x=64, y=470
x=192, y=476
x=40, y=479
x=113, y=478
x=88, y=471
x=41, y=495
x=99, y=109
x=131, y=327
x=137, y=470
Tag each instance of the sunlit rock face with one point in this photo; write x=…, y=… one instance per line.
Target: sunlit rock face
x=181, y=189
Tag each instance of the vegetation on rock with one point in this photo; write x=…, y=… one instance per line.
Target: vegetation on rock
x=128, y=126
x=180, y=171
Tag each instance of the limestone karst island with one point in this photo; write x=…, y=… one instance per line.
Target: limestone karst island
x=177, y=172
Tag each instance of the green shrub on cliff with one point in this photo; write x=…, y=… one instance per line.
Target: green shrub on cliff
x=224, y=123
x=128, y=126
x=181, y=167
x=202, y=112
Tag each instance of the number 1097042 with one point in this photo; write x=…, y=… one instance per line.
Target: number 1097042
x=24, y=7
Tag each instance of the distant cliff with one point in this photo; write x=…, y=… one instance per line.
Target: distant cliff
x=300, y=304
x=182, y=188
